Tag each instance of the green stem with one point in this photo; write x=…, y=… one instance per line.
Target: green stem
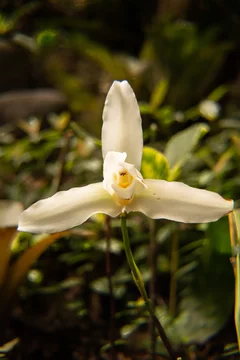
x=173, y=269
x=152, y=283
x=234, y=226
x=137, y=276
x=110, y=287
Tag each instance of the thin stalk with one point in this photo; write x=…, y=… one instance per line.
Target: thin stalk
x=56, y=182
x=234, y=225
x=173, y=281
x=152, y=284
x=140, y=284
x=110, y=287
x=233, y=240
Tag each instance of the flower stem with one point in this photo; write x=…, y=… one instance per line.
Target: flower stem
x=234, y=226
x=173, y=270
x=137, y=276
x=110, y=287
x=152, y=284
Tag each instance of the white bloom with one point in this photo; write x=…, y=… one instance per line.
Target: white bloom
x=123, y=187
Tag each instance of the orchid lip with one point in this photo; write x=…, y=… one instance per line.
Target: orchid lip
x=122, y=201
x=120, y=178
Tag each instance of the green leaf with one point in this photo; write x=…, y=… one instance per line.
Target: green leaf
x=207, y=303
x=115, y=246
x=145, y=108
x=128, y=329
x=200, y=318
x=47, y=38
x=6, y=24
x=207, y=299
x=180, y=146
x=154, y=164
x=101, y=286
x=158, y=94
x=218, y=93
x=9, y=346
x=218, y=235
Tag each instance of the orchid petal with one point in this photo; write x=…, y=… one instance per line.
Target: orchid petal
x=9, y=213
x=67, y=209
x=110, y=166
x=122, y=124
x=179, y=202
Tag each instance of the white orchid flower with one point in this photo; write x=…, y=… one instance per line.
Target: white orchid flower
x=123, y=188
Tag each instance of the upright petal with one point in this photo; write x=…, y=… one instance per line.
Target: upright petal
x=179, y=202
x=67, y=209
x=122, y=124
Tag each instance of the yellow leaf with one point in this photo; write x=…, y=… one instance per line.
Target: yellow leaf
x=6, y=237
x=154, y=164
x=20, y=267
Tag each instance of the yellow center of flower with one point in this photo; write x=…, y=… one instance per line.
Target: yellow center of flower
x=123, y=179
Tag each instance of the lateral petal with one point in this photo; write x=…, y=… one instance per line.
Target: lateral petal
x=67, y=209
x=179, y=202
x=122, y=124
x=9, y=213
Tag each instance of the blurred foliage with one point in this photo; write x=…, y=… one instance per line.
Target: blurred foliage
x=185, y=56
x=184, y=73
